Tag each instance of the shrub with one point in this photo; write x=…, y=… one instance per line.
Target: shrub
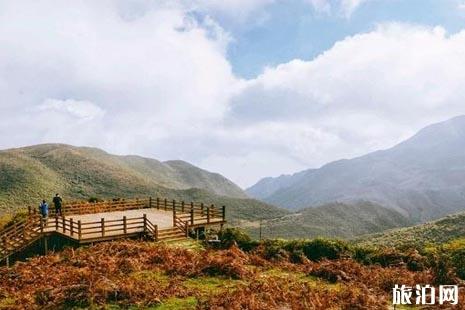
x=274, y=249
x=9, y=220
x=362, y=254
x=442, y=268
x=318, y=249
x=458, y=261
x=386, y=257
x=231, y=236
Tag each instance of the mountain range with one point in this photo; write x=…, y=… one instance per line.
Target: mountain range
x=32, y=173
x=438, y=232
x=334, y=220
x=422, y=178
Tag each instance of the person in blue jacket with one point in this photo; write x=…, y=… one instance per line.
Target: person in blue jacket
x=43, y=208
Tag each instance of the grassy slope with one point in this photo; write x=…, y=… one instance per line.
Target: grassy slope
x=333, y=220
x=130, y=275
x=436, y=232
x=32, y=173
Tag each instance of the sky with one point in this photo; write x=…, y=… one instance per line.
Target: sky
x=246, y=88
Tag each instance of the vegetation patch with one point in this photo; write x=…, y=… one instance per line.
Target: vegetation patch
x=211, y=285
x=177, y=304
x=144, y=275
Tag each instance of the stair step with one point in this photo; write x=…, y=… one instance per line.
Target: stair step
x=168, y=231
x=171, y=234
x=181, y=233
x=173, y=239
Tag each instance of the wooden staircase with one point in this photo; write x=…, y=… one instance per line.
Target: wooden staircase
x=171, y=234
x=20, y=235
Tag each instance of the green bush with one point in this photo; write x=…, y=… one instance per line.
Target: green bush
x=363, y=254
x=274, y=249
x=230, y=236
x=458, y=261
x=386, y=257
x=318, y=249
x=9, y=220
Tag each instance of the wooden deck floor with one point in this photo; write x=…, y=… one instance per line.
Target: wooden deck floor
x=164, y=219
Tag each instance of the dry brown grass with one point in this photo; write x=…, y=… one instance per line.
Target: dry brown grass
x=107, y=274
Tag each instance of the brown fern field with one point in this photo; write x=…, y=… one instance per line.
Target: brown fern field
x=143, y=275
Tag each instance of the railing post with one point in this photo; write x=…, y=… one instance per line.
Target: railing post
x=208, y=215
x=156, y=233
x=64, y=224
x=201, y=206
x=125, y=225
x=158, y=203
x=150, y=202
x=102, y=224
x=182, y=205
x=223, y=210
x=174, y=204
x=145, y=222
x=71, y=224
x=56, y=222
x=29, y=210
x=174, y=217
x=79, y=230
x=42, y=225
x=166, y=203
x=192, y=214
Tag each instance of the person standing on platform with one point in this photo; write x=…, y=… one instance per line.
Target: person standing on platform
x=57, y=201
x=43, y=209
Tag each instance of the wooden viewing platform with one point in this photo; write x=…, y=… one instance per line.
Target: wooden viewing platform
x=82, y=223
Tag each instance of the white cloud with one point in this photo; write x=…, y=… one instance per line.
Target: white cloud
x=154, y=80
x=461, y=5
x=322, y=6
x=240, y=9
x=349, y=6
x=79, y=110
x=367, y=92
x=155, y=74
x=343, y=7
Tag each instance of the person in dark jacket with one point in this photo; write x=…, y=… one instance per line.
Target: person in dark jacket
x=57, y=201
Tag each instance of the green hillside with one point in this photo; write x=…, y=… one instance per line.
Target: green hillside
x=29, y=174
x=332, y=220
x=440, y=231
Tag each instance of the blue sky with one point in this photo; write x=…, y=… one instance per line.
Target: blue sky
x=286, y=30
x=246, y=88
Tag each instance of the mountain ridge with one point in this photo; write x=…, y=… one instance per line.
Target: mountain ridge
x=32, y=173
x=422, y=177
x=333, y=220
x=439, y=232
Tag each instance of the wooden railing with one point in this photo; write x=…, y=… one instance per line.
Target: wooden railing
x=180, y=224
x=76, y=208
x=193, y=209
x=193, y=213
x=17, y=235
x=104, y=227
x=151, y=229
